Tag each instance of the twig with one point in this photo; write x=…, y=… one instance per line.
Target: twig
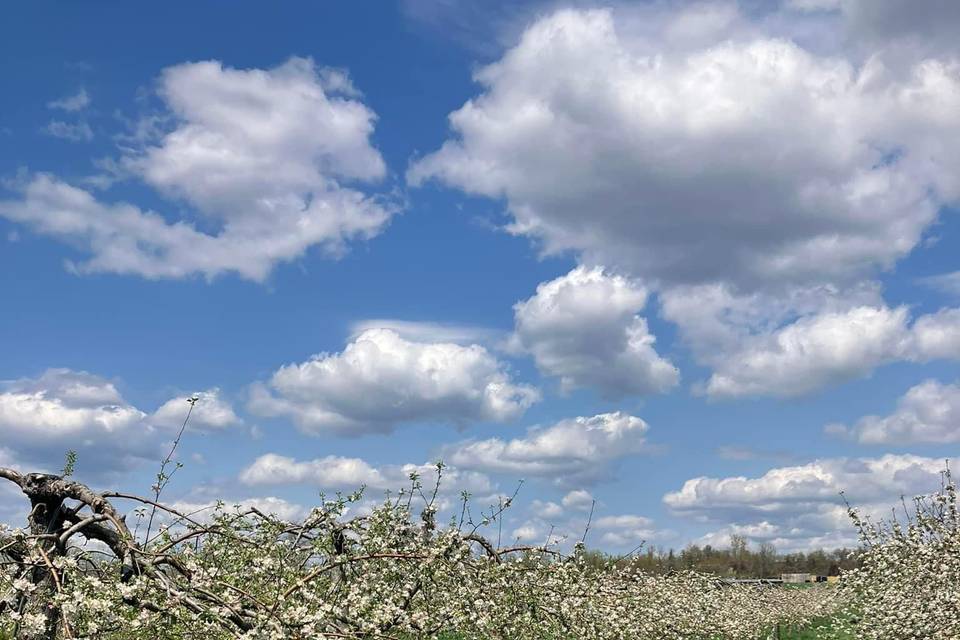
x=583, y=539
x=162, y=478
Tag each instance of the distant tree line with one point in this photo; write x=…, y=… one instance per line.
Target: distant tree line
x=739, y=560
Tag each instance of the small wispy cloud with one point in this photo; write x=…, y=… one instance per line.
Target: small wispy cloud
x=736, y=453
x=76, y=102
x=948, y=283
x=742, y=453
x=78, y=65
x=75, y=132
x=416, y=331
x=484, y=27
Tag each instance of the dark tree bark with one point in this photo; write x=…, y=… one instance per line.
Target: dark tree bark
x=45, y=520
x=51, y=522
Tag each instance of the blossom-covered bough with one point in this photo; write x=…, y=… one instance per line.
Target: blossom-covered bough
x=79, y=571
x=908, y=583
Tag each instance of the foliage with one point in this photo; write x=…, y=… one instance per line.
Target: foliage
x=739, y=561
x=69, y=463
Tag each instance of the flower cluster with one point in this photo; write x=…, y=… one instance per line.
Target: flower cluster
x=908, y=585
x=382, y=576
x=394, y=573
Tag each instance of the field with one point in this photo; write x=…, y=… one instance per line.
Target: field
x=399, y=574
x=818, y=630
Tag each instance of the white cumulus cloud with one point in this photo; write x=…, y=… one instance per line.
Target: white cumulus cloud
x=278, y=507
x=703, y=150
x=265, y=158
x=584, y=328
x=42, y=418
x=578, y=500
x=937, y=335
x=832, y=347
x=813, y=352
x=210, y=412
x=348, y=474
x=381, y=380
x=749, y=160
x=927, y=413
x=782, y=488
x=546, y=509
x=577, y=449
x=330, y=472
x=800, y=507
x=626, y=530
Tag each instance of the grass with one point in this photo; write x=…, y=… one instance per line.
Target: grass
x=823, y=630
x=818, y=631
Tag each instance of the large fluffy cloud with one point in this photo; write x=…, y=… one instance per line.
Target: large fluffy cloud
x=702, y=150
x=210, y=412
x=909, y=28
x=783, y=488
x=583, y=328
x=381, y=380
x=795, y=343
x=788, y=344
x=937, y=335
x=927, y=413
x=205, y=509
x=349, y=474
x=264, y=156
x=749, y=160
x=833, y=347
x=813, y=352
x=575, y=450
x=328, y=472
x=42, y=418
x=801, y=506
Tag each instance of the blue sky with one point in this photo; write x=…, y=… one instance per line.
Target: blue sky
x=721, y=235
